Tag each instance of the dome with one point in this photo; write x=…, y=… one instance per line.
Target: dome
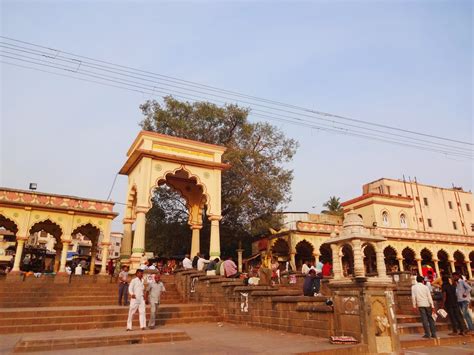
x=352, y=219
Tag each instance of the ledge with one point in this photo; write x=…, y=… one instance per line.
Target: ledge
x=299, y=299
x=314, y=308
x=281, y=293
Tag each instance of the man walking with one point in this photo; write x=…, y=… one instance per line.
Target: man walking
x=137, y=301
x=463, y=292
x=123, y=286
x=421, y=298
x=154, y=293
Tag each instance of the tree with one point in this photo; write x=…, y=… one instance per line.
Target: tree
x=256, y=185
x=333, y=207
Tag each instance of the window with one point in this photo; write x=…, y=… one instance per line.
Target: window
x=468, y=208
x=425, y=201
x=403, y=221
x=116, y=253
x=472, y=227
x=450, y=204
x=117, y=243
x=430, y=223
x=385, y=219
x=455, y=225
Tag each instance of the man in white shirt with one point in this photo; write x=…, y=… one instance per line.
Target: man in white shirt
x=187, y=263
x=422, y=300
x=137, y=300
x=201, y=263
x=154, y=293
x=305, y=268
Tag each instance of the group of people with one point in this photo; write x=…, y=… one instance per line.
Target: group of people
x=140, y=294
x=456, y=298
x=314, y=272
x=216, y=266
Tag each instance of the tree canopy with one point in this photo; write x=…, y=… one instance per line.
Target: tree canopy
x=256, y=185
x=333, y=206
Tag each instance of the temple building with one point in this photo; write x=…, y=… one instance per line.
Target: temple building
x=424, y=227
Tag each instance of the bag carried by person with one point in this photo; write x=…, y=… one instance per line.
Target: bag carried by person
x=442, y=313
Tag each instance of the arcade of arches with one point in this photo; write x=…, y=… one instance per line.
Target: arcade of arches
x=190, y=167
x=25, y=214
x=398, y=255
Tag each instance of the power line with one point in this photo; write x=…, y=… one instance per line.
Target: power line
x=143, y=90
x=58, y=54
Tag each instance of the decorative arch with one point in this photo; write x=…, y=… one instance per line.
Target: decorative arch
x=370, y=259
x=385, y=218
x=347, y=260
x=403, y=219
x=280, y=248
x=391, y=262
x=8, y=224
x=89, y=230
x=325, y=253
x=459, y=264
x=443, y=261
x=304, y=251
x=426, y=257
x=409, y=259
x=49, y=227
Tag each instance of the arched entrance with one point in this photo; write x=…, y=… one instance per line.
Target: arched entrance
x=409, y=261
x=391, y=262
x=51, y=234
x=444, y=267
x=370, y=261
x=190, y=167
x=325, y=253
x=8, y=231
x=427, y=265
x=281, y=249
x=347, y=260
x=304, y=252
x=459, y=263
x=87, y=233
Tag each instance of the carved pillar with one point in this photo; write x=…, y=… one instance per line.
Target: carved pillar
x=239, y=259
x=380, y=260
x=400, y=263
x=358, y=258
x=105, y=257
x=66, y=242
x=93, y=256
x=126, y=247
x=195, y=241
x=336, y=262
x=453, y=266
x=19, y=251
x=139, y=238
x=436, y=264
x=469, y=270
x=215, y=244
x=316, y=257
x=57, y=260
x=293, y=261
x=418, y=263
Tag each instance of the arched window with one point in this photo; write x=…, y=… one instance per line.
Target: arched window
x=403, y=221
x=385, y=220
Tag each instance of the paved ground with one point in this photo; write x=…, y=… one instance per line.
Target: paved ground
x=207, y=338
x=467, y=349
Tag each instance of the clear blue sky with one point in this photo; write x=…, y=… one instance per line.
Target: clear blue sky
x=401, y=63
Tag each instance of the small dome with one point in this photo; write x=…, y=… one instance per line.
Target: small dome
x=352, y=219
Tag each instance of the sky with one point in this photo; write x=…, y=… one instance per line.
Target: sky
x=401, y=63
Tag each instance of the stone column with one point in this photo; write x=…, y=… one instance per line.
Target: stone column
x=19, y=251
x=336, y=262
x=239, y=259
x=93, y=255
x=139, y=238
x=66, y=242
x=293, y=261
x=195, y=241
x=400, y=263
x=105, y=257
x=57, y=260
x=436, y=264
x=453, y=267
x=215, y=244
x=126, y=247
x=418, y=263
x=316, y=258
x=469, y=270
x=380, y=260
x=358, y=258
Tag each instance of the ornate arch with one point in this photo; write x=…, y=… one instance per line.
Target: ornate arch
x=280, y=247
x=8, y=223
x=382, y=212
x=49, y=226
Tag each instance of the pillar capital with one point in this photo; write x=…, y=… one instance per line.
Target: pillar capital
x=400, y=258
x=214, y=217
x=105, y=244
x=435, y=260
x=21, y=238
x=128, y=221
x=195, y=226
x=66, y=240
x=467, y=261
x=418, y=259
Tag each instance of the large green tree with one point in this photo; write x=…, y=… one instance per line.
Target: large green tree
x=256, y=185
x=333, y=206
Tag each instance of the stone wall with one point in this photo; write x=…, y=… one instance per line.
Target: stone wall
x=275, y=307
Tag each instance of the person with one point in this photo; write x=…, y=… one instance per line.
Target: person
x=195, y=260
x=123, y=286
x=68, y=269
x=212, y=265
x=422, y=300
x=311, y=284
x=187, y=263
x=275, y=266
x=78, y=270
x=137, y=300
x=110, y=267
x=305, y=268
x=327, y=269
x=319, y=267
x=201, y=263
x=450, y=304
x=154, y=294
x=230, y=268
x=463, y=292
x=219, y=268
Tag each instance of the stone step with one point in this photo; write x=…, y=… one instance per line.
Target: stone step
x=90, y=339
x=409, y=341
x=108, y=301
x=417, y=328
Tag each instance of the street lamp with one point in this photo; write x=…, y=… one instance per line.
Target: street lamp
x=33, y=185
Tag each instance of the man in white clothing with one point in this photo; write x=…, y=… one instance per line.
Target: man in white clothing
x=423, y=302
x=201, y=263
x=187, y=263
x=305, y=268
x=137, y=300
x=154, y=294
